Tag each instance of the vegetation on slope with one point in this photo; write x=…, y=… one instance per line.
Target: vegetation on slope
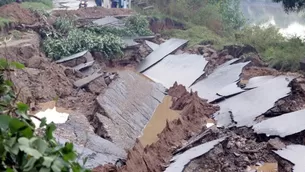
x=108, y=40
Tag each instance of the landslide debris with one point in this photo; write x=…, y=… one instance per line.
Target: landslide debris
x=17, y=14
x=156, y=156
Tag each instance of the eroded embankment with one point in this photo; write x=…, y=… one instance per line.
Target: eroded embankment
x=155, y=157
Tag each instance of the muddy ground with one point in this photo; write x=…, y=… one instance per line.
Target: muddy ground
x=43, y=80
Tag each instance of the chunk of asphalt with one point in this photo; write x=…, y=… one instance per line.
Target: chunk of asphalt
x=254, y=82
x=164, y=49
x=284, y=125
x=184, y=69
x=295, y=154
x=179, y=161
x=246, y=106
x=221, y=77
x=127, y=105
x=74, y=56
x=152, y=45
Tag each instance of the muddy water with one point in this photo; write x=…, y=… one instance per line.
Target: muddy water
x=158, y=121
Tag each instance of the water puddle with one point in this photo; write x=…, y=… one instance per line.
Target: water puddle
x=52, y=113
x=158, y=121
x=266, y=167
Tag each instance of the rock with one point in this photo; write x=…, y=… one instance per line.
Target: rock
x=276, y=143
x=127, y=106
x=97, y=85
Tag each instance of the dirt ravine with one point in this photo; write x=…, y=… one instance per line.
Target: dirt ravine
x=155, y=157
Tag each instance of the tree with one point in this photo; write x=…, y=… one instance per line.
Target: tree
x=292, y=5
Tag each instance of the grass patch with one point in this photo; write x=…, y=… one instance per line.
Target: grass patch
x=36, y=6
x=197, y=34
x=4, y=22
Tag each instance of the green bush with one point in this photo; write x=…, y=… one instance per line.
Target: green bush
x=21, y=148
x=280, y=52
x=78, y=40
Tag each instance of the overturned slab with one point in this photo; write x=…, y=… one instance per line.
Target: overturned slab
x=284, y=125
x=152, y=45
x=74, y=56
x=245, y=107
x=127, y=106
x=84, y=81
x=109, y=20
x=166, y=48
x=221, y=77
x=83, y=65
x=296, y=155
x=233, y=88
x=130, y=43
x=183, y=159
x=184, y=69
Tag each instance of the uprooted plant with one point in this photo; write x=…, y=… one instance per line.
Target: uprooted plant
x=21, y=148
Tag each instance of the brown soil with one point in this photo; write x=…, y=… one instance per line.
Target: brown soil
x=158, y=25
x=92, y=12
x=155, y=157
x=18, y=14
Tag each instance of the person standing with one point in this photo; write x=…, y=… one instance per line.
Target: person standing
x=98, y=3
x=114, y=3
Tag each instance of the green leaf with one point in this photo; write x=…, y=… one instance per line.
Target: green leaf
x=47, y=161
x=17, y=65
x=57, y=166
x=16, y=124
x=4, y=121
x=9, y=170
x=43, y=122
x=45, y=170
x=22, y=107
x=49, y=131
x=40, y=145
x=85, y=160
x=24, y=141
x=29, y=165
x=30, y=151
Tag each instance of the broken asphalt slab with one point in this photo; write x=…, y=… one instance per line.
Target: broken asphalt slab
x=233, y=88
x=295, y=154
x=152, y=45
x=166, y=48
x=99, y=151
x=184, y=69
x=84, y=81
x=221, y=77
x=74, y=56
x=179, y=161
x=127, y=105
x=109, y=21
x=284, y=125
x=245, y=107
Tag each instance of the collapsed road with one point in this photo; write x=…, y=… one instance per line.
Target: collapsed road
x=169, y=109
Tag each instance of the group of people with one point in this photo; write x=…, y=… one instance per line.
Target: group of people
x=114, y=3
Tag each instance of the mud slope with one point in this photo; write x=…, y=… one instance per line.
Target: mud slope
x=155, y=157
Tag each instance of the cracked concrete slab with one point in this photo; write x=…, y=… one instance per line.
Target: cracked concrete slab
x=127, y=105
x=233, y=88
x=221, y=77
x=183, y=159
x=184, y=69
x=164, y=49
x=86, y=143
x=284, y=125
x=152, y=45
x=245, y=107
x=295, y=154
